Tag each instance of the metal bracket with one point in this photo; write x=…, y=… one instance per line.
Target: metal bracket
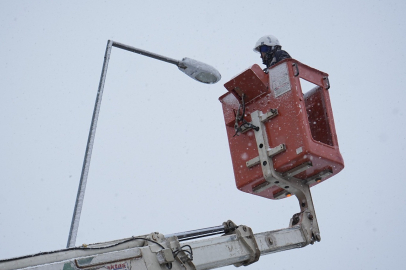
x=165, y=256
x=248, y=125
x=287, y=182
x=261, y=187
x=271, y=152
x=247, y=238
x=306, y=220
x=155, y=236
x=229, y=226
x=318, y=177
x=268, y=115
x=301, y=168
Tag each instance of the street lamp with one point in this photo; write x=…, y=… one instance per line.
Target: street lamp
x=196, y=70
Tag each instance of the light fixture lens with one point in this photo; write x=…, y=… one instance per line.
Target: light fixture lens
x=199, y=71
x=205, y=77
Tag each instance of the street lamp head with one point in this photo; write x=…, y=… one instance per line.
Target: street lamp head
x=199, y=71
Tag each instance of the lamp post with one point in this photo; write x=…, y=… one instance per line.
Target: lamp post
x=196, y=70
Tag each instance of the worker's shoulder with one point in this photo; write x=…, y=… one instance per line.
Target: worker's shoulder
x=281, y=54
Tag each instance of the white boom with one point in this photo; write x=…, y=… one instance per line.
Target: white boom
x=238, y=246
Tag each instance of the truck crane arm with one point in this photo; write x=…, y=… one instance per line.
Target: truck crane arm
x=237, y=246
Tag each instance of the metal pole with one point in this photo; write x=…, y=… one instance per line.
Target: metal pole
x=89, y=147
x=146, y=53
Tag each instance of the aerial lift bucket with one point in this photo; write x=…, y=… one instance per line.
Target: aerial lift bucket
x=273, y=127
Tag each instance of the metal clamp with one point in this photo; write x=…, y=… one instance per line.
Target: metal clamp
x=247, y=238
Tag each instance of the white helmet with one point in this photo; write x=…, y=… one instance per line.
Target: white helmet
x=268, y=40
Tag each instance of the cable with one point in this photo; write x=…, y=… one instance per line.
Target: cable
x=239, y=118
x=83, y=248
x=187, y=251
x=190, y=252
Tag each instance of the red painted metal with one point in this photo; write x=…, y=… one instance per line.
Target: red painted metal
x=304, y=124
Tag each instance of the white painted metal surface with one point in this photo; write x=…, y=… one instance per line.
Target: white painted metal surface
x=132, y=253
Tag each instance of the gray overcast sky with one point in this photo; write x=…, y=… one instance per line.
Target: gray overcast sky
x=161, y=160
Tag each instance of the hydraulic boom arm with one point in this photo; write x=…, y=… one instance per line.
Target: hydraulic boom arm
x=238, y=246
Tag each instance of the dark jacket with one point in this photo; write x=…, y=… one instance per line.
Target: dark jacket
x=277, y=56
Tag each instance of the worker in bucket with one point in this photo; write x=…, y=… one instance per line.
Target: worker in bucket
x=270, y=50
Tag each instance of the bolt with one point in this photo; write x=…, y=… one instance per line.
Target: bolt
x=270, y=242
x=310, y=216
x=295, y=220
x=244, y=228
x=153, y=237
